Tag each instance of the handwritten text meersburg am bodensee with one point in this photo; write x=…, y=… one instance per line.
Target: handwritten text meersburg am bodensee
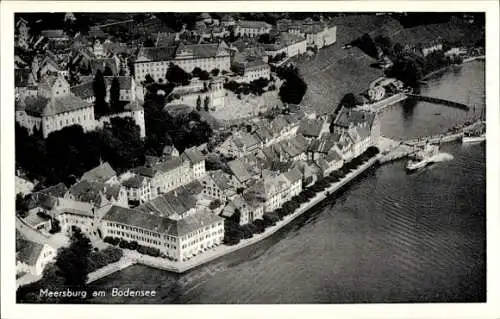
x=83, y=294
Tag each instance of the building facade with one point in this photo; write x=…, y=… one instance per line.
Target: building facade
x=248, y=28
x=155, y=61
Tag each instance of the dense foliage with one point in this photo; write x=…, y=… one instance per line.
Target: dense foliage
x=70, y=151
x=162, y=129
x=294, y=88
x=176, y=75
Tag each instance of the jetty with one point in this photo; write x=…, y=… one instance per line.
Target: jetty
x=436, y=100
x=384, y=104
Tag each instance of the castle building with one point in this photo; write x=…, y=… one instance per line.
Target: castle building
x=155, y=61
x=54, y=108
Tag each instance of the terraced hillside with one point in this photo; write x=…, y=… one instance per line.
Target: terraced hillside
x=334, y=71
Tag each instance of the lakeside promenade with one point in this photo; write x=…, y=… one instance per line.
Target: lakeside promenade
x=133, y=257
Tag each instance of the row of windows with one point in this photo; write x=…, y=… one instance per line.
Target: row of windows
x=198, y=240
x=134, y=229
x=135, y=237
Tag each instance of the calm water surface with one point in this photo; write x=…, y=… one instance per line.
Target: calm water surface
x=389, y=237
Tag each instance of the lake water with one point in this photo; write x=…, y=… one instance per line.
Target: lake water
x=389, y=237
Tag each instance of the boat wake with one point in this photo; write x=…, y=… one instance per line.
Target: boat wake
x=443, y=157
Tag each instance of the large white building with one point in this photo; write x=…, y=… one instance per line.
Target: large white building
x=54, y=108
x=57, y=106
x=287, y=43
x=155, y=60
x=251, y=28
x=179, y=238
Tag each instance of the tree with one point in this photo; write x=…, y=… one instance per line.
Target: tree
x=99, y=86
x=21, y=205
x=148, y=79
x=107, y=71
x=214, y=204
x=349, y=100
x=385, y=43
x=398, y=49
x=215, y=72
x=114, y=95
x=206, y=103
x=204, y=75
x=177, y=75
x=73, y=261
x=198, y=103
x=196, y=72
x=294, y=88
x=149, y=43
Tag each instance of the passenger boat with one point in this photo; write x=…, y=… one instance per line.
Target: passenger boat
x=423, y=158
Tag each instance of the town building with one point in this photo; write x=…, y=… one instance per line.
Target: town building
x=248, y=28
x=155, y=60
x=348, y=118
x=84, y=204
x=239, y=144
x=196, y=161
x=314, y=128
x=177, y=238
x=217, y=184
x=331, y=162
x=280, y=128
x=54, y=108
x=251, y=70
x=247, y=210
x=32, y=257
x=243, y=172
x=198, y=91
x=275, y=189
x=138, y=187
x=287, y=43
x=318, y=34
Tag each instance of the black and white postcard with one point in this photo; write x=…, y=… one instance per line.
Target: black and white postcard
x=246, y=153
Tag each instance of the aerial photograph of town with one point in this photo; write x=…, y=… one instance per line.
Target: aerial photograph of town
x=250, y=157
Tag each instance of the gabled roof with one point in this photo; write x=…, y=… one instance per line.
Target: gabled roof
x=103, y=172
x=253, y=24
x=348, y=116
x=84, y=90
x=135, y=181
x=240, y=170
x=221, y=180
x=33, y=219
x=181, y=227
x=164, y=53
x=193, y=155
x=293, y=175
x=41, y=106
x=28, y=252
x=204, y=50
x=57, y=190
x=333, y=156
x=310, y=127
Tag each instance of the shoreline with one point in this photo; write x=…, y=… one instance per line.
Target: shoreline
x=466, y=60
x=133, y=257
